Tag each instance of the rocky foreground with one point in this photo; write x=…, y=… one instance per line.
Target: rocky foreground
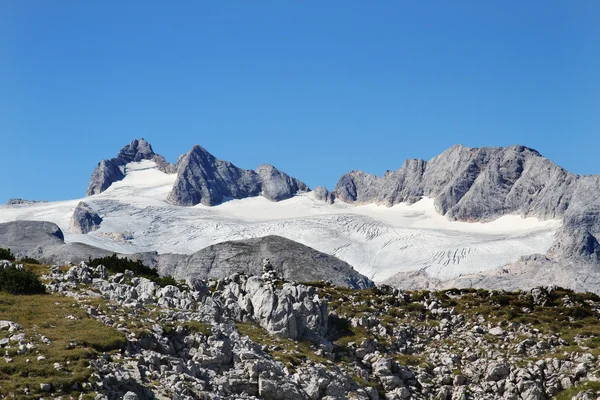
x=250, y=337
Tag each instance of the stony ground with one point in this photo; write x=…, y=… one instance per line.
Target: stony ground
x=99, y=336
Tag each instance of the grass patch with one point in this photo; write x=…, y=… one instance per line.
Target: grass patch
x=198, y=327
x=355, y=335
x=73, y=342
x=582, y=387
x=409, y=359
x=28, y=260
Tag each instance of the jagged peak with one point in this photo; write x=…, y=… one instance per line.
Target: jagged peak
x=137, y=150
x=109, y=171
x=199, y=151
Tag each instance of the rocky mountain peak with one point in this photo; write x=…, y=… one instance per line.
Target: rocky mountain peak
x=482, y=184
x=204, y=179
x=135, y=151
x=109, y=171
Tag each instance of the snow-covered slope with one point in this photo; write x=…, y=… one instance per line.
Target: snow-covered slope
x=378, y=241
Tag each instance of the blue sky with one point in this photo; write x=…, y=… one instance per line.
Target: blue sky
x=315, y=88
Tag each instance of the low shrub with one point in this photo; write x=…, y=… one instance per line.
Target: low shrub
x=6, y=254
x=20, y=281
x=116, y=265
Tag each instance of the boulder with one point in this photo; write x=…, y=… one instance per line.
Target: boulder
x=84, y=219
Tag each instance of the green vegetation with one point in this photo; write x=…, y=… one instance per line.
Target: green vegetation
x=198, y=327
x=119, y=265
x=28, y=260
x=116, y=264
x=74, y=338
x=582, y=387
x=20, y=281
x=6, y=254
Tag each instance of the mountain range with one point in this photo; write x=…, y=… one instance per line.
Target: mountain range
x=501, y=217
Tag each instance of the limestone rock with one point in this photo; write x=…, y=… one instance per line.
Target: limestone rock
x=290, y=260
x=103, y=176
x=292, y=311
x=84, y=219
x=481, y=184
x=323, y=194
x=18, y=202
x=204, y=179
x=109, y=171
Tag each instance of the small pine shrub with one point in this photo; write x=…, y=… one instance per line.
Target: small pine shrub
x=116, y=265
x=580, y=312
x=20, y=281
x=29, y=260
x=6, y=254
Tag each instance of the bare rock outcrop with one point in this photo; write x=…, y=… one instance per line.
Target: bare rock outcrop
x=470, y=184
x=84, y=219
x=109, y=171
x=294, y=311
x=482, y=184
x=276, y=185
x=323, y=194
x=204, y=179
x=19, y=202
x=290, y=260
x=44, y=241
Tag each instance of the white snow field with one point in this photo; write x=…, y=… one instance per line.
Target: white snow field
x=378, y=241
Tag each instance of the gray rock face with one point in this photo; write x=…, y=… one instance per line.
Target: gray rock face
x=470, y=184
x=84, y=219
x=323, y=194
x=276, y=185
x=18, y=235
x=578, y=237
x=290, y=260
x=105, y=174
x=109, y=171
x=135, y=151
x=292, y=311
x=18, y=202
x=204, y=179
x=481, y=184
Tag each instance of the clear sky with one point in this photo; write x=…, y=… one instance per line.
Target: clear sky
x=316, y=88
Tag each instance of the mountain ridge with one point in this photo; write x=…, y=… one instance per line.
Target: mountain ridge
x=462, y=185
x=467, y=184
